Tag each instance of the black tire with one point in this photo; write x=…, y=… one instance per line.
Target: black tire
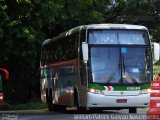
x=95, y=110
x=59, y=107
x=76, y=103
x=49, y=101
x=51, y=106
x=132, y=110
x=47, y=96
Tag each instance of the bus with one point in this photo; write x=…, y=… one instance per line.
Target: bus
x=97, y=66
x=6, y=74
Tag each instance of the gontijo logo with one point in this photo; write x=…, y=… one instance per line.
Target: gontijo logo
x=133, y=88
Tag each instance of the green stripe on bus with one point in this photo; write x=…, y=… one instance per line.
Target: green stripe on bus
x=119, y=88
x=129, y=88
x=96, y=86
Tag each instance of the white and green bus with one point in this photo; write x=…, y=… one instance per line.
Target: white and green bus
x=98, y=66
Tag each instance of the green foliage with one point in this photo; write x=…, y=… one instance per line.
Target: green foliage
x=25, y=24
x=156, y=69
x=29, y=106
x=26, y=106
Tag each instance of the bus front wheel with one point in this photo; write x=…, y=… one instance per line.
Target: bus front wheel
x=132, y=110
x=76, y=103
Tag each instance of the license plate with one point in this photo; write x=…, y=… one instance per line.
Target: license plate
x=121, y=101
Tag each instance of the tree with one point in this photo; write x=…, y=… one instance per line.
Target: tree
x=25, y=24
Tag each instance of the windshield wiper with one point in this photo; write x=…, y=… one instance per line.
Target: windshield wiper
x=125, y=69
x=130, y=74
x=113, y=74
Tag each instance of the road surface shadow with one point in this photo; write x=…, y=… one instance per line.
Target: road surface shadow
x=89, y=112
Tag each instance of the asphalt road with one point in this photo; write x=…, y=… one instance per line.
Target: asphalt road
x=73, y=115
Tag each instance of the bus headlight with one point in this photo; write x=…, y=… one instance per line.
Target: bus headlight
x=145, y=91
x=96, y=91
x=148, y=90
x=92, y=90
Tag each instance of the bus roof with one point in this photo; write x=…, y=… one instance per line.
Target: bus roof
x=95, y=26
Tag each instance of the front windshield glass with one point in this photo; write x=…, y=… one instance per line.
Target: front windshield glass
x=118, y=37
x=120, y=65
x=105, y=64
x=136, y=65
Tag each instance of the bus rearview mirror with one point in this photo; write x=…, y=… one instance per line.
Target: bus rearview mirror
x=85, y=51
x=6, y=73
x=156, y=52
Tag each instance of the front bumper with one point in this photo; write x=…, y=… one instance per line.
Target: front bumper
x=103, y=101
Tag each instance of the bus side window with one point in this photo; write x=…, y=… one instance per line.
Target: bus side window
x=66, y=71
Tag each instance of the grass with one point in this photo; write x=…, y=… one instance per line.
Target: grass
x=26, y=106
x=156, y=70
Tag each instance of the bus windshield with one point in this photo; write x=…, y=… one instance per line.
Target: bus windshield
x=126, y=65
